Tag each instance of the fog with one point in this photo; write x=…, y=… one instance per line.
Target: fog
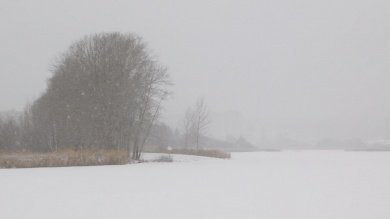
x=306, y=70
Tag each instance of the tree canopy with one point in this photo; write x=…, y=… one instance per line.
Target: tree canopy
x=105, y=92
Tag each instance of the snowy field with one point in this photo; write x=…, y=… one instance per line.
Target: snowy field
x=291, y=185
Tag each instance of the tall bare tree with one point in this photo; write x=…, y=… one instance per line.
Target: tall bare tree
x=188, y=128
x=201, y=119
x=105, y=92
x=195, y=123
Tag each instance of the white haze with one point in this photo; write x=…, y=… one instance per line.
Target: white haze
x=302, y=69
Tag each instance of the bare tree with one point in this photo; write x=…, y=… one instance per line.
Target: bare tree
x=195, y=123
x=188, y=128
x=154, y=91
x=201, y=119
x=106, y=92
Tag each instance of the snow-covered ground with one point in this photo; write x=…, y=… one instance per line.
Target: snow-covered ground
x=310, y=184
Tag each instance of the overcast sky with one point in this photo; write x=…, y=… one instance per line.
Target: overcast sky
x=300, y=68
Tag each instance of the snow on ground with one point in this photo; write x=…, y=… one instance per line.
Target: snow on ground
x=310, y=184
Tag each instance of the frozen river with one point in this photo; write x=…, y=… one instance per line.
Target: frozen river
x=293, y=185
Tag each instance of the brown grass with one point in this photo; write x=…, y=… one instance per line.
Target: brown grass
x=89, y=157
